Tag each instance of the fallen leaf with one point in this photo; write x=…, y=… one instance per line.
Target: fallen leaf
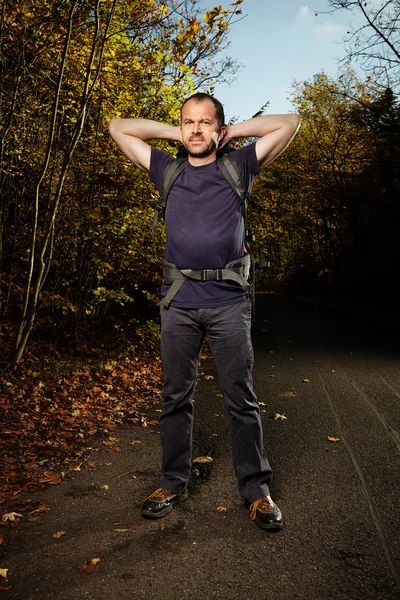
x=273, y=376
x=1, y=539
x=10, y=516
x=75, y=467
x=59, y=534
x=51, y=478
x=219, y=395
x=203, y=459
x=208, y=376
x=196, y=472
x=105, y=487
x=278, y=417
x=111, y=441
x=162, y=526
x=333, y=439
x=305, y=380
x=288, y=394
x=121, y=530
x=3, y=573
x=4, y=588
x=90, y=566
x=40, y=509
x=261, y=404
x=222, y=509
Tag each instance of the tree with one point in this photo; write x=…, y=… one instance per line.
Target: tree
x=67, y=68
x=375, y=43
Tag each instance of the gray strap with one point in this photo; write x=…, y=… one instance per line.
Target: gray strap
x=173, y=290
x=232, y=175
x=226, y=275
x=237, y=271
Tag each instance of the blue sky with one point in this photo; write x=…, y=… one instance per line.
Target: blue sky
x=277, y=43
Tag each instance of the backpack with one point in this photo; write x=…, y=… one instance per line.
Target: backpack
x=239, y=270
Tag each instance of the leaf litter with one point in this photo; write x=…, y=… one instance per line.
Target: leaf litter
x=49, y=417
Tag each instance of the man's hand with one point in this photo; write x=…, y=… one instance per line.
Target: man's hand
x=131, y=136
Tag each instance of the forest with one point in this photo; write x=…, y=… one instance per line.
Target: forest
x=79, y=272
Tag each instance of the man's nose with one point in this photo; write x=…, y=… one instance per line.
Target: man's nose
x=196, y=127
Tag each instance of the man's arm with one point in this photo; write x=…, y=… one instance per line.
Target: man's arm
x=275, y=132
x=131, y=135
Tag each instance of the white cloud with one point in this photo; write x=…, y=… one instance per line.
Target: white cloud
x=329, y=30
x=304, y=12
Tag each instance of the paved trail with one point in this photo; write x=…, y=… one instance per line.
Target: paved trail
x=330, y=376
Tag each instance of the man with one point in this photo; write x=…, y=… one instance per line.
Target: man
x=205, y=231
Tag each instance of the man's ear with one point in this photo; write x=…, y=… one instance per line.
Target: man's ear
x=222, y=132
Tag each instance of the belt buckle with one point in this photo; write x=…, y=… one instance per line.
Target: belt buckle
x=211, y=275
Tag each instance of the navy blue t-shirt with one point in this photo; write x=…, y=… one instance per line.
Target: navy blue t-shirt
x=204, y=225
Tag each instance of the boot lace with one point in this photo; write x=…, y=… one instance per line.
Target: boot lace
x=158, y=494
x=263, y=504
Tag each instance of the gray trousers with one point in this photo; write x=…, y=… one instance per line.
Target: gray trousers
x=228, y=331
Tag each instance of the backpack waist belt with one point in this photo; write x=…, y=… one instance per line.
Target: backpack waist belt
x=237, y=271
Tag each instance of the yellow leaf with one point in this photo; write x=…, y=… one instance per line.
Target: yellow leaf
x=288, y=394
x=333, y=439
x=111, y=441
x=305, y=380
x=10, y=516
x=203, y=459
x=3, y=573
x=105, y=487
x=59, y=534
x=278, y=417
x=222, y=509
x=261, y=404
x=136, y=442
x=121, y=530
x=196, y=472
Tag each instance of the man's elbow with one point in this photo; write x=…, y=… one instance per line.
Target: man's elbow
x=112, y=126
x=294, y=121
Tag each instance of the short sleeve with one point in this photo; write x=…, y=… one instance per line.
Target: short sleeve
x=158, y=161
x=246, y=159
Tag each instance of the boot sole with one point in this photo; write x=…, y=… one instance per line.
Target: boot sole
x=269, y=526
x=148, y=514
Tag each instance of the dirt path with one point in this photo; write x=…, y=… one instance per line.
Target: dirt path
x=330, y=376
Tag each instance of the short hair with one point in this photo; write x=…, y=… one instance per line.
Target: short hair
x=219, y=109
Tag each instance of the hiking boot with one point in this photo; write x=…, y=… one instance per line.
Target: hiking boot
x=265, y=513
x=161, y=502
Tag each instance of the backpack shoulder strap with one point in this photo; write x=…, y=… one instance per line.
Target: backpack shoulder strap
x=230, y=170
x=171, y=172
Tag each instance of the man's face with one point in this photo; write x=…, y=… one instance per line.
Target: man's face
x=200, y=129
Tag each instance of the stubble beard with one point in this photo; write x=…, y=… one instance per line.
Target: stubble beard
x=201, y=152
